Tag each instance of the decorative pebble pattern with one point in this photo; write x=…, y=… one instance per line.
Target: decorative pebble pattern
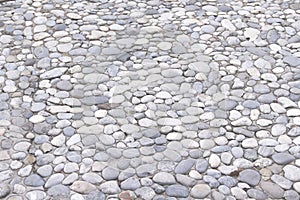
x=158, y=99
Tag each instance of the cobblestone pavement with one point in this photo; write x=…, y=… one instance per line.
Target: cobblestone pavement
x=141, y=100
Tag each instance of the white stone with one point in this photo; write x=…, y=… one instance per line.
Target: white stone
x=163, y=95
x=228, y=25
x=145, y=122
x=74, y=16
x=58, y=140
x=294, y=112
x=214, y=161
x=100, y=113
x=251, y=33
x=164, y=46
x=286, y=102
x=36, y=119
x=5, y=39
x=200, y=67
x=95, y=78
x=269, y=77
x=63, y=48
x=249, y=143
x=74, y=139
x=168, y=122
x=116, y=27
x=264, y=122
x=244, y=121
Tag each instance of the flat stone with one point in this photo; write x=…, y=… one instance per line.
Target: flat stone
x=96, y=195
x=200, y=191
x=59, y=191
x=54, y=179
x=200, y=67
x=168, y=122
x=41, y=52
x=96, y=78
x=131, y=183
x=64, y=85
x=164, y=178
x=170, y=73
x=164, y=46
x=272, y=36
x=145, y=192
x=283, y=158
x=272, y=189
x=92, y=178
x=292, y=61
x=111, y=51
x=201, y=165
x=292, y=172
x=63, y=48
x=54, y=73
x=227, y=104
x=82, y=187
x=178, y=191
x=34, y=180
x=281, y=181
x=249, y=176
x=184, y=166
x=116, y=27
x=256, y=194
x=4, y=190
x=228, y=25
x=110, y=187
x=110, y=173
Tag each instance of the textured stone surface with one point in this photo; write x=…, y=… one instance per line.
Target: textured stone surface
x=149, y=99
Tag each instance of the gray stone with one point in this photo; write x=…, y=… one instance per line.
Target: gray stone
x=251, y=104
x=184, y=166
x=110, y=173
x=59, y=191
x=145, y=193
x=34, y=180
x=228, y=181
x=4, y=190
x=110, y=187
x=96, y=195
x=54, y=73
x=94, y=100
x=256, y=194
x=291, y=195
x=281, y=181
x=41, y=52
x=164, y=178
x=201, y=165
x=249, y=176
x=272, y=36
x=92, y=178
x=131, y=183
x=292, y=61
x=83, y=187
x=272, y=190
x=283, y=158
x=145, y=170
x=64, y=85
x=227, y=104
x=178, y=191
x=200, y=191
x=111, y=51
x=54, y=179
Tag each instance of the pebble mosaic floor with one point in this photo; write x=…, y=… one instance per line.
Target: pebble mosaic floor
x=156, y=99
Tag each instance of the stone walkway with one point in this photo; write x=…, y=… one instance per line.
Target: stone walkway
x=141, y=100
